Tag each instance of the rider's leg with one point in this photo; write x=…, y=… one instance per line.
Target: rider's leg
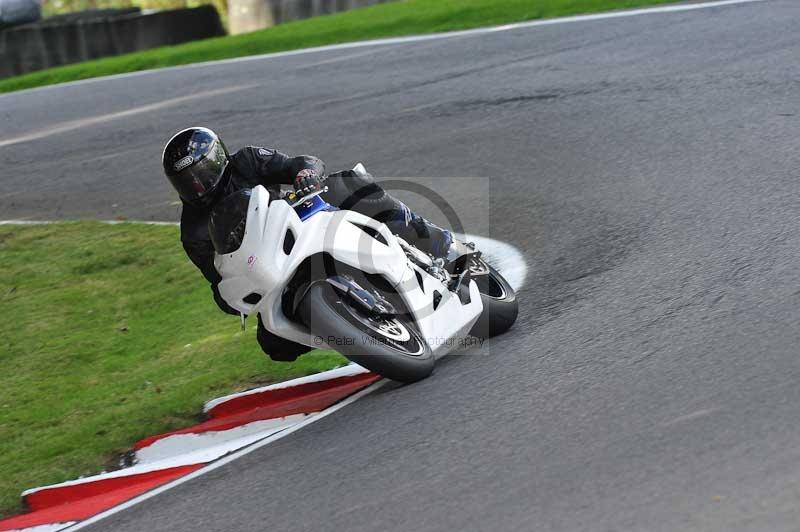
x=360, y=193
x=278, y=349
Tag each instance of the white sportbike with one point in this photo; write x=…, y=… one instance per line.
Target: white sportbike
x=321, y=276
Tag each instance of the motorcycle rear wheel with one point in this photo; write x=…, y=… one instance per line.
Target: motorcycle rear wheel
x=391, y=347
x=500, y=306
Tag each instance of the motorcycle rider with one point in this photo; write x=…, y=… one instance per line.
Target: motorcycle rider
x=201, y=170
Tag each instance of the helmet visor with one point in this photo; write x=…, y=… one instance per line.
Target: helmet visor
x=194, y=179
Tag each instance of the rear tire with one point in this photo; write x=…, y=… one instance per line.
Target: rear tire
x=500, y=307
x=392, y=348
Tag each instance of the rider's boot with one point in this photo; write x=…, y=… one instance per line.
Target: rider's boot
x=416, y=230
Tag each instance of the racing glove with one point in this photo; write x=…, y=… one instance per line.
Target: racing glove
x=306, y=182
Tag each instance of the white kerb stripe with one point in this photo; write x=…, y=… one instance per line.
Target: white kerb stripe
x=230, y=458
x=176, y=446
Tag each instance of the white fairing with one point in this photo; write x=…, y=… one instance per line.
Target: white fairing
x=261, y=266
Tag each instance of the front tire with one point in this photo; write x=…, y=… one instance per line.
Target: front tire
x=392, y=348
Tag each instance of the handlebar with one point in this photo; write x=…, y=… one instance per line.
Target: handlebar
x=304, y=199
x=290, y=196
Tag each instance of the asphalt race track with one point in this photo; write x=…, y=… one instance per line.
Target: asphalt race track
x=649, y=169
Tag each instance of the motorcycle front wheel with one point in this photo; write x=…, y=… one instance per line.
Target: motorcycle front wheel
x=389, y=346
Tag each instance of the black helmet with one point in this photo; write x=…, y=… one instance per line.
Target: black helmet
x=195, y=161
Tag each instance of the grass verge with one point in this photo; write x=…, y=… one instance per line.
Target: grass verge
x=109, y=335
x=404, y=17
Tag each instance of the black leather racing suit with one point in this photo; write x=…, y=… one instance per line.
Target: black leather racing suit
x=253, y=166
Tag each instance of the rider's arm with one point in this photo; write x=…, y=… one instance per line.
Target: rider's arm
x=200, y=250
x=272, y=167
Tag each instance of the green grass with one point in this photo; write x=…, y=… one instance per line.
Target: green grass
x=109, y=334
x=405, y=17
